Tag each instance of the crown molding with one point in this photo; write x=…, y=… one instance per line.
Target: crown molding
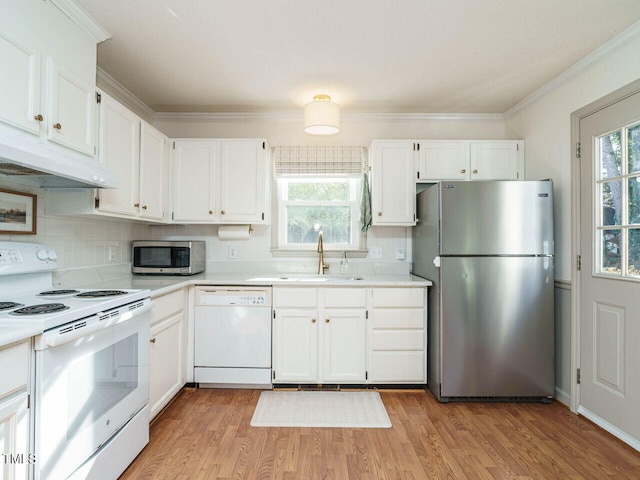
x=114, y=88
x=79, y=15
x=619, y=41
x=344, y=117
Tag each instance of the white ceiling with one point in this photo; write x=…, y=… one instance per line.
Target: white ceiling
x=383, y=56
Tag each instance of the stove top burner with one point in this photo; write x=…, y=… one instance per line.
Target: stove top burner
x=52, y=293
x=40, y=309
x=101, y=293
x=9, y=305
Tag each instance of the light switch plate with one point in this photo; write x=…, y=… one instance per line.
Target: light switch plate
x=399, y=253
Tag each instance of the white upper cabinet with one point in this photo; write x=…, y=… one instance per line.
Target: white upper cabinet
x=443, y=160
x=243, y=181
x=393, y=183
x=502, y=160
x=71, y=109
x=222, y=181
x=193, y=170
x=154, y=173
x=138, y=154
x=120, y=151
x=470, y=160
x=47, y=86
x=20, y=85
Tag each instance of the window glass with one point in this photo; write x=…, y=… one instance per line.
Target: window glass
x=313, y=204
x=634, y=148
x=618, y=217
x=611, y=155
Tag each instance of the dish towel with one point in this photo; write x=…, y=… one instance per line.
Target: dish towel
x=365, y=204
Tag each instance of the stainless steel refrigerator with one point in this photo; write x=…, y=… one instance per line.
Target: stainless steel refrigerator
x=488, y=249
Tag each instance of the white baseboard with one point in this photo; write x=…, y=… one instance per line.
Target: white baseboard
x=563, y=397
x=612, y=429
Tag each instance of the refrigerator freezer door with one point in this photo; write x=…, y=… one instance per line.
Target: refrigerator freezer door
x=496, y=218
x=497, y=327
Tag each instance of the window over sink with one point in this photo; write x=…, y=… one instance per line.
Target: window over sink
x=319, y=189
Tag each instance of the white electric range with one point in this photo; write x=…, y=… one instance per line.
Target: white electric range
x=91, y=369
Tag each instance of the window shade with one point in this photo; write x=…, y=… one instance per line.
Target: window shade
x=297, y=160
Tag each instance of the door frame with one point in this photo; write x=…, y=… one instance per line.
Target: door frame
x=604, y=102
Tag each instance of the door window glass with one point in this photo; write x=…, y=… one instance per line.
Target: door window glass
x=618, y=187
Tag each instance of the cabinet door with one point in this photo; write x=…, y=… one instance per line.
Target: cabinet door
x=14, y=437
x=393, y=183
x=502, y=160
x=71, y=110
x=19, y=85
x=243, y=180
x=165, y=362
x=343, y=346
x=153, y=173
x=295, y=346
x=443, y=160
x=193, y=170
x=120, y=151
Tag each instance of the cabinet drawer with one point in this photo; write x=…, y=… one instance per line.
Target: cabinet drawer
x=397, y=367
x=295, y=297
x=381, y=340
x=393, y=318
x=398, y=297
x=345, y=297
x=14, y=365
x=167, y=305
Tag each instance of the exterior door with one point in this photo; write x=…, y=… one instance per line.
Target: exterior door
x=609, y=279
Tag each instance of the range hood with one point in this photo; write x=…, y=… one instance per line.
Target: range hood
x=43, y=165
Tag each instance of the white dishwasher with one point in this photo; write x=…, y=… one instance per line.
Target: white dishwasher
x=232, y=330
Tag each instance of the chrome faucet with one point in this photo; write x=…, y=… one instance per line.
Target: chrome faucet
x=322, y=267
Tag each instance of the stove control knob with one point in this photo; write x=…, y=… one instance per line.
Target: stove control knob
x=42, y=254
x=52, y=254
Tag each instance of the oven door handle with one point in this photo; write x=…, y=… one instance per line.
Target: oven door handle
x=92, y=324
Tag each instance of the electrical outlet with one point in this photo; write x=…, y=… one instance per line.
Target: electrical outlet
x=375, y=252
x=399, y=253
x=111, y=255
x=233, y=252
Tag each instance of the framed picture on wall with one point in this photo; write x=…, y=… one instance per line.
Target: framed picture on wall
x=17, y=213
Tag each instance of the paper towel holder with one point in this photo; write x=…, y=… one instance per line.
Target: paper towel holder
x=235, y=232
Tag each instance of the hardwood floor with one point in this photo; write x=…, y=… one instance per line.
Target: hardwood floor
x=205, y=434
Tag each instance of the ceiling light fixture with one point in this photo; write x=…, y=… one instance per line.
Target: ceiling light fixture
x=322, y=116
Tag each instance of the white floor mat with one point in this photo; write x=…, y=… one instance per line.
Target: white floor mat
x=320, y=409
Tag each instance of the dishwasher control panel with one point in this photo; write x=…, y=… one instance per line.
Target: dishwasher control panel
x=244, y=297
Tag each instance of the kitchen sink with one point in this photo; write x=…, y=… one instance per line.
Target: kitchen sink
x=307, y=278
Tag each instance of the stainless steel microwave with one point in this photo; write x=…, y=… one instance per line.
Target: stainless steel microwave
x=152, y=257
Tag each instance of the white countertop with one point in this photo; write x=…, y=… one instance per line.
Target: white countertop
x=161, y=285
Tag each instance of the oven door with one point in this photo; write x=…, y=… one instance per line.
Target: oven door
x=86, y=390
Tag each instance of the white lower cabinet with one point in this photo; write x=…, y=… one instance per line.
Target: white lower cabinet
x=397, y=336
x=319, y=335
x=14, y=411
x=167, y=349
x=349, y=335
